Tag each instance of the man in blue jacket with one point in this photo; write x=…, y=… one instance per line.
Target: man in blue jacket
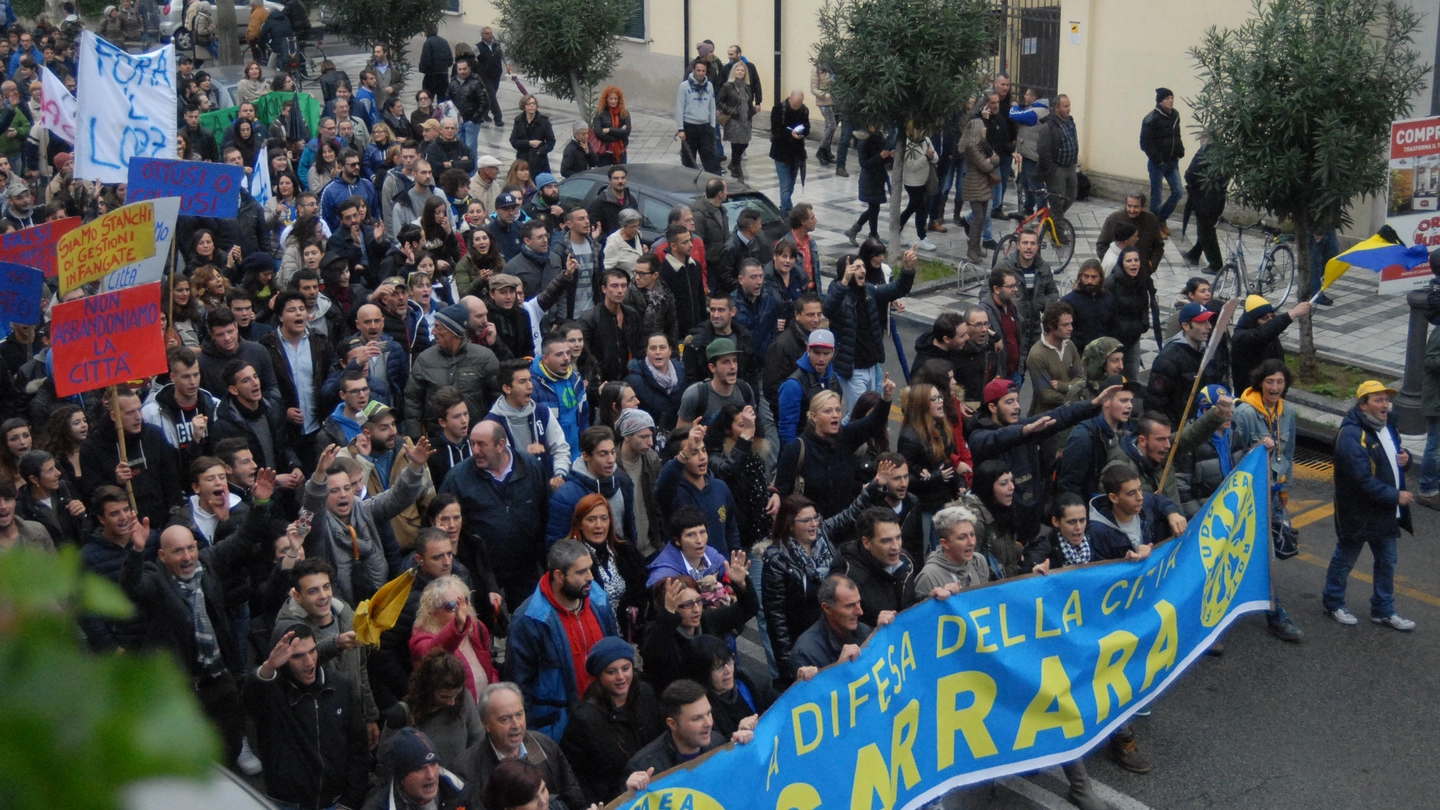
x=1371, y=504
x=1126, y=522
x=813, y=374
x=552, y=633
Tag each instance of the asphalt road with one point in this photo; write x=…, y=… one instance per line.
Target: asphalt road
x=1340, y=720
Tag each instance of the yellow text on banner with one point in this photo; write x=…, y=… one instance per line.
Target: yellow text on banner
x=122, y=237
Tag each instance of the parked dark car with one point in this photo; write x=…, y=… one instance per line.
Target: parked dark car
x=658, y=187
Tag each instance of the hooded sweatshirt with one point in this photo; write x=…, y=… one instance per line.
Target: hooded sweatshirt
x=565, y=397
x=534, y=423
x=940, y=571
x=694, y=103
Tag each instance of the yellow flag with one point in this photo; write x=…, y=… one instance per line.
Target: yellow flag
x=380, y=612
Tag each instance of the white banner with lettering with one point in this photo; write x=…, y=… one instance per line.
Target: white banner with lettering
x=127, y=108
x=58, y=107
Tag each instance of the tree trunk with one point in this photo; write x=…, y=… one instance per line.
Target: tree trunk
x=228, y=31
x=897, y=197
x=1309, y=372
x=584, y=100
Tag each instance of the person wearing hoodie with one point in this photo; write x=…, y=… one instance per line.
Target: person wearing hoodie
x=686, y=480
x=1029, y=115
x=953, y=566
x=182, y=410
x=1093, y=305
x=1000, y=433
x=813, y=374
x=596, y=471
x=1371, y=505
x=695, y=117
x=332, y=622
x=214, y=512
x=879, y=567
x=530, y=425
x=1087, y=450
x=1126, y=522
x=1173, y=373
x=225, y=345
x=1261, y=415
x=1257, y=335
x=560, y=388
x=345, y=531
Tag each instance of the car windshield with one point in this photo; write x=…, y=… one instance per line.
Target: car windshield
x=769, y=214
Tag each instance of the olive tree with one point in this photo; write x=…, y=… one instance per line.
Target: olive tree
x=1297, y=104
x=899, y=62
x=569, y=46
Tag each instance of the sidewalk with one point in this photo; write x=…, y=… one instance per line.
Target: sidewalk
x=1363, y=328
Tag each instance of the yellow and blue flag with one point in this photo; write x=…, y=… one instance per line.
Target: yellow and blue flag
x=1375, y=254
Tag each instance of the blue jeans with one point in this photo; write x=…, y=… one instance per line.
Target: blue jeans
x=947, y=181
x=1007, y=174
x=470, y=134
x=1029, y=185
x=1430, y=462
x=787, y=175
x=1385, y=552
x=1170, y=173
x=862, y=380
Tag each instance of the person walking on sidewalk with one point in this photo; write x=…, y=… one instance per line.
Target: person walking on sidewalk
x=695, y=117
x=920, y=160
x=789, y=124
x=1160, y=141
x=1371, y=505
x=980, y=168
x=820, y=79
x=873, y=158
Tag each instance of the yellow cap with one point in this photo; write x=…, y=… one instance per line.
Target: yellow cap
x=1372, y=387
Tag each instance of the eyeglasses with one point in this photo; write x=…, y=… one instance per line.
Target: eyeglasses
x=451, y=605
x=808, y=520
x=688, y=605
x=639, y=273
x=936, y=398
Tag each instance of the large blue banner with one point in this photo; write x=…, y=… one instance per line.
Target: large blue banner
x=1002, y=679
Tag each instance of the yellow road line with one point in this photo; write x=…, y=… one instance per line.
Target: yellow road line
x=1404, y=590
x=1318, y=513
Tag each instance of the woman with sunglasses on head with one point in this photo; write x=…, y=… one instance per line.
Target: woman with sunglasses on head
x=446, y=619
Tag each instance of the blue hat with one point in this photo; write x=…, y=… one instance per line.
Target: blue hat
x=1209, y=397
x=410, y=750
x=506, y=200
x=1195, y=312
x=607, y=651
x=544, y=179
x=454, y=318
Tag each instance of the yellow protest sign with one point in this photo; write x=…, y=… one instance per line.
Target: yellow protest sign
x=123, y=236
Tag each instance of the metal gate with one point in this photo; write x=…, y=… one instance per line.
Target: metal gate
x=1029, y=46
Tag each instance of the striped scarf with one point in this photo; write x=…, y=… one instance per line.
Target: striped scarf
x=207, y=649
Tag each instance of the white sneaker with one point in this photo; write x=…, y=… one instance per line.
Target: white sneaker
x=1396, y=621
x=925, y=244
x=248, y=763
x=1345, y=617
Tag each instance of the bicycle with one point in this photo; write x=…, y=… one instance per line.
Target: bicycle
x=303, y=61
x=1275, y=277
x=1057, y=238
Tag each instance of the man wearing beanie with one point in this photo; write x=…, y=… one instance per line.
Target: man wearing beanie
x=1257, y=336
x=1160, y=141
x=453, y=360
x=637, y=456
x=417, y=782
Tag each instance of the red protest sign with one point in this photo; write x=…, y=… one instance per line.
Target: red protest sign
x=35, y=246
x=107, y=339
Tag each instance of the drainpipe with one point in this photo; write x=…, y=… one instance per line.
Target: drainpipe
x=685, y=46
x=777, y=92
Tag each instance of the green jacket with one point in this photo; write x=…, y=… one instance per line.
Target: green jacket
x=11, y=146
x=1054, y=375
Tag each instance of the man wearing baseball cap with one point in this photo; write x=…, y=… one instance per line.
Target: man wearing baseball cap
x=1000, y=433
x=504, y=225
x=704, y=399
x=1173, y=372
x=1371, y=505
x=813, y=374
x=418, y=778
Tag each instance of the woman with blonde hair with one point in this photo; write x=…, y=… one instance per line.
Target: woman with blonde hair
x=445, y=619
x=210, y=285
x=611, y=127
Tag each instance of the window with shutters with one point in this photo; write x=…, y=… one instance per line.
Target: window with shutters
x=635, y=26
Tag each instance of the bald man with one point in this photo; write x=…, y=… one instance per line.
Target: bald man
x=505, y=499
x=189, y=576
x=385, y=361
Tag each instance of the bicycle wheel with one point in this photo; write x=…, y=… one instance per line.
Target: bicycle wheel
x=1278, y=280
x=1008, y=246
x=1227, y=282
x=1057, y=254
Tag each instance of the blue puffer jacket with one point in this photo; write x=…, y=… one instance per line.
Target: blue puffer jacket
x=791, y=419
x=842, y=305
x=566, y=398
x=1366, y=492
x=539, y=658
x=579, y=482
x=673, y=490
